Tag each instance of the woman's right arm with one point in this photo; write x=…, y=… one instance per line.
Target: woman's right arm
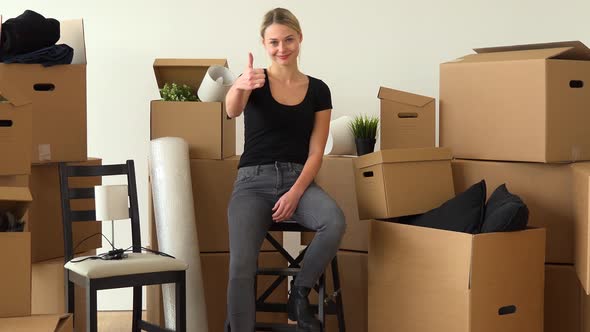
x=238, y=94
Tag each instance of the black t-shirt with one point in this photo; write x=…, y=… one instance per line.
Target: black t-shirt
x=277, y=132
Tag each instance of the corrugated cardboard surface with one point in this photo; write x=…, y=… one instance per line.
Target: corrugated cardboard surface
x=205, y=127
x=15, y=278
x=546, y=189
x=581, y=200
x=38, y=323
x=215, y=269
x=352, y=268
x=16, y=127
x=407, y=120
x=423, y=279
x=564, y=299
x=517, y=105
x=45, y=215
x=400, y=182
x=336, y=177
x=14, y=181
x=213, y=182
x=48, y=291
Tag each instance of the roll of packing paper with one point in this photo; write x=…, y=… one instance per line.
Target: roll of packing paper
x=340, y=138
x=175, y=226
x=216, y=83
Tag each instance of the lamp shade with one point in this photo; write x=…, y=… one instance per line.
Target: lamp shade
x=111, y=202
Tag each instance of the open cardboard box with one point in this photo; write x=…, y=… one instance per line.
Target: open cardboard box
x=16, y=129
x=15, y=262
x=518, y=103
x=58, y=96
x=407, y=120
x=400, y=182
x=38, y=323
x=205, y=126
x=432, y=280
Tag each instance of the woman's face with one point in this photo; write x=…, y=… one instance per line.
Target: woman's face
x=282, y=44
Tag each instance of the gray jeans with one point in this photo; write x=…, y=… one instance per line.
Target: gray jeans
x=256, y=190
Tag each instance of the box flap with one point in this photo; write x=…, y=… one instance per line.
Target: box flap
x=184, y=71
x=72, y=34
x=581, y=192
x=403, y=97
x=15, y=199
x=570, y=50
x=542, y=54
x=37, y=323
x=402, y=155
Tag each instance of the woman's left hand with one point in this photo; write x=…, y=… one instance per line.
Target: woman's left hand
x=285, y=206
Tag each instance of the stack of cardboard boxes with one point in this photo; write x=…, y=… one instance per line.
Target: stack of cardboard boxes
x=518, y=115
x=425, y=279
x=43, y=122
x=211, y=137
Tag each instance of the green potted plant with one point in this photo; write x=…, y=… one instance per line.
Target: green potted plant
x=364, y=129
x=176, y=92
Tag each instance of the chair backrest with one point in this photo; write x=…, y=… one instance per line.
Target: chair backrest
x=70, y=216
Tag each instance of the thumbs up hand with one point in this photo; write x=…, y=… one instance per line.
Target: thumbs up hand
x=251, y=78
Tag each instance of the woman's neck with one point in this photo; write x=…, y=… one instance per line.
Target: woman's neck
x=285, y=73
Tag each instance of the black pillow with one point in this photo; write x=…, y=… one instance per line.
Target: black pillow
x=505, y=212
x=464, y=213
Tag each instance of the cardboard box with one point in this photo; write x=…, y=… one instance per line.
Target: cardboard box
x=352, y=268
x=399, y=182
x=209, y=132
x=407, y=120
x=45, y=214
x=215, y=270
x=58, y=94
x=40, y=323
x=581, y=200
x=518, y=103
x=425, y=279
x=14, y=181
x=213, y=182
x=48, y=291
x=336, y=177
x=15, y=280
x=16, y=127
x=564, y=300
x=546, y=189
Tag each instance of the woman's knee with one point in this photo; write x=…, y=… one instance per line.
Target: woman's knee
x=243, y=266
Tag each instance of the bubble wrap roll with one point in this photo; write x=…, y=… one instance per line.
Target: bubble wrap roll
x=340, y=138
x=175, y=226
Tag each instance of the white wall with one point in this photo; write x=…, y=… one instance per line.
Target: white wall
x=354, y=47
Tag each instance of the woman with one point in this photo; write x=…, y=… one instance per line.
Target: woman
x=286, y=118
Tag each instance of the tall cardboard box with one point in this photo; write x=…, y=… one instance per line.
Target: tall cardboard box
x=45, y=214
x=209, y=132
x=16, y=128
x=48, y=291
x=581, y=200
x=58, y=95
x=38, y=323
x=215, y=270
x=15, y=262
x=407, y=120
x=431, y=280
x=352, y=268
x=546, y=189
x=400, y=182
x=336, y=177
x=518, y=103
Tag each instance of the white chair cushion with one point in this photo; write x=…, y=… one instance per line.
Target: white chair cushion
x=135, y=263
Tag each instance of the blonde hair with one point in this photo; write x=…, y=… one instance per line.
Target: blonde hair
x=280, y=16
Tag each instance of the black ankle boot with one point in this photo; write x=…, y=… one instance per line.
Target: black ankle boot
x=299, y=310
